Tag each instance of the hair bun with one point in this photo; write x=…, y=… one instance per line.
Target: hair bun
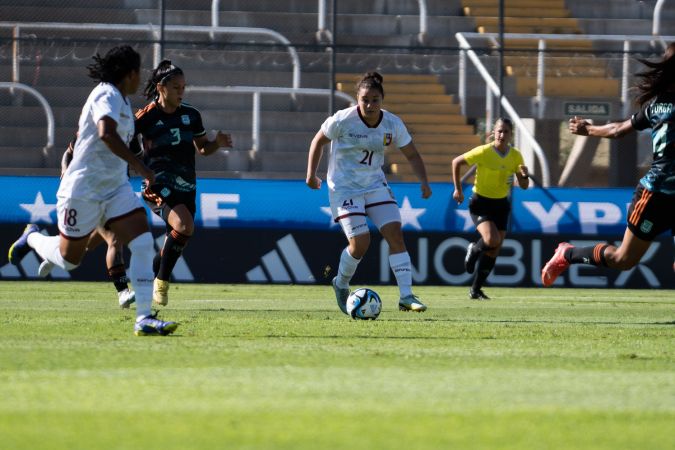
x=375, y=76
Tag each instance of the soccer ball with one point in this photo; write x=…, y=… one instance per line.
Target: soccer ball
x=364, y=304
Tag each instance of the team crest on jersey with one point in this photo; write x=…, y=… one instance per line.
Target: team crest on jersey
x=387, y=139
x=185, y=119
x=646, y=226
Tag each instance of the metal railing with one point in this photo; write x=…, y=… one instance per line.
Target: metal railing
x=656, y=22
x=153, y=30
x=257, y=91
x=45, y=106
x=321, y=25
x=494, y=89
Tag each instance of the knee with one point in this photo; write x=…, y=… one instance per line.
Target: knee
x=186, y=228
x=492, y=242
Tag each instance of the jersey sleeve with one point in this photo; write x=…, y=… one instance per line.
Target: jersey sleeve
x=473, y=155
x=640, y=120
x=331, y=128
x=198, y=126
x=106, y=104
x=402, y=137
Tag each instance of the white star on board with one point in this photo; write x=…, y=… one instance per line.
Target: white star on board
x=466, y=215
x=327, y=210
x=409, y=215
x=39, y=210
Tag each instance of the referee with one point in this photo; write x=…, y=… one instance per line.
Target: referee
x=496, y=162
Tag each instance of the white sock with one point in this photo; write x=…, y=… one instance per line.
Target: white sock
x=348, y=265
x=140, y=272
x=401, y=266
x=48, y=247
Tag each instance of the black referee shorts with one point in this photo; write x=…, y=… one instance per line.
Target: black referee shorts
x=484, y=209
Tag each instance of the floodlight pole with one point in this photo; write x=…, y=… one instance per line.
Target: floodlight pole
x=501, y=60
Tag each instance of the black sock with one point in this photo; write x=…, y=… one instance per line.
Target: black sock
x=155, y=262
x=118, y=275
x=485, y=265
x=479, y=246
x=173, y=248
x=594, y=256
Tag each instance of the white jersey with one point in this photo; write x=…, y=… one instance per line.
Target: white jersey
x=95, y=172
x=357, y=150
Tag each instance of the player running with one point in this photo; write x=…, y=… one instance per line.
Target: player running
x=651, y=210
x=171, y=130
x=357, y=186
x=496, y=163
x=95, y=189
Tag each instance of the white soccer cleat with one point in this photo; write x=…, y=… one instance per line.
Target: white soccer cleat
x=45, y=268
x=411, y=303
x=126, y=298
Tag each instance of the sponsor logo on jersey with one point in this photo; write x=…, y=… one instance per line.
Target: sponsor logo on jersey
x=185, y=119
x=387, y=139
x=357, y=136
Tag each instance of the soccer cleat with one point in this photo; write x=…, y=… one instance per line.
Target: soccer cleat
x=477, y=294
x=126, y=298
x=160, y=292
x=411, y=303
x=152, y=326
x=20, y=247
x=341, y=296
x=470, y=258
x=556, y=265
x=45, y=268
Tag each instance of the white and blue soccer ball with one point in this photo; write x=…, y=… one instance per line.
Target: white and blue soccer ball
x=364, y=304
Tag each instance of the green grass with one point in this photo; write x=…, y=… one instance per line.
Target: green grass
x=279, y=367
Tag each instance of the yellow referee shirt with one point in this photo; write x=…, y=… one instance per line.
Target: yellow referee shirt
x=494, y=171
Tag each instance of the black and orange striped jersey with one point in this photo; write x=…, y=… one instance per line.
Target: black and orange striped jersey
x=168, y=143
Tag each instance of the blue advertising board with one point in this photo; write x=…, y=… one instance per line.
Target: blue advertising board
x=229, y=203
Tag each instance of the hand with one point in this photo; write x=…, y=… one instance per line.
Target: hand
x=145, y=172
x=426, y=190
x=458, y=196
x=313, y=182
x=579, y=126
x=524, y=171
x=224, y=139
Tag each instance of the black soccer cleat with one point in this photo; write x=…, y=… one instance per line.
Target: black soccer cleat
x=477, y=294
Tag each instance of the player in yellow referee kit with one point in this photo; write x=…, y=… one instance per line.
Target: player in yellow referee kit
x=496, y=163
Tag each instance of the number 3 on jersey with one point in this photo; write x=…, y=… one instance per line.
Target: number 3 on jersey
x=175, y=133
x=367, y=157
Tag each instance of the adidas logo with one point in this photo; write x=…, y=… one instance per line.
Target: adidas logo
x=159, y=123
x=277, y=270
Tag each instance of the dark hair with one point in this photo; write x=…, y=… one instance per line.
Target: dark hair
x=657, y=78
x=161, y=75
x=115, y=65
x=506, y=121
x=371, y=80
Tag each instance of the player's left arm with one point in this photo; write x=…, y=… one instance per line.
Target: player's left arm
x=523, y=176
x=207, y=147
x=417, y=164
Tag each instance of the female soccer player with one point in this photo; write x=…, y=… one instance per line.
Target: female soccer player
x=170, y=130
x=489, y=206
x=651, y=211
x=95, y=189
x=114, y=255
x=358, y=188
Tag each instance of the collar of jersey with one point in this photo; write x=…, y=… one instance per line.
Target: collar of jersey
x=358, y=111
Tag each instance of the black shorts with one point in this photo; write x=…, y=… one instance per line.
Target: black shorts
x=484, y=209
x=158, y=196
x=651, y=213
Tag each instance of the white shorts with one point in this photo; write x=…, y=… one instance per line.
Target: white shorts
x=77, y=218
x=351, y=212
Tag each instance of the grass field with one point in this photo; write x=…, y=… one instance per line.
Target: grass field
x=279, y=367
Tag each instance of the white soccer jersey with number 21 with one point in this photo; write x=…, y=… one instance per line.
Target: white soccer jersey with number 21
x=357, y=150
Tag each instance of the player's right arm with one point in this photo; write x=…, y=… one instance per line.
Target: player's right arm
x=457, y=164
x=315, y=153
x=583, y=127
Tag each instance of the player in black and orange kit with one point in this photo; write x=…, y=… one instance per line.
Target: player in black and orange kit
x=651, y=211
x=170, y=131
